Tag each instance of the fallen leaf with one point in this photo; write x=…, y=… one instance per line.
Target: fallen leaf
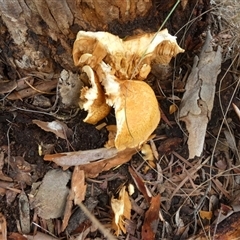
x=93, y=169
x=197, y=101
x=7, y=86
x=16, y=236
x=45, y=86
x=22, y=170
x=78, y=185
x=140, y=184
x=3, y=227
x=68, y=159
x=151, y=219
x=40, y=236
x=51, y=197
x=122, y=210
x=60, y=129
x=169, y=145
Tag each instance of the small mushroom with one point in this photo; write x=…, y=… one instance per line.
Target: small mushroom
x=93, y=99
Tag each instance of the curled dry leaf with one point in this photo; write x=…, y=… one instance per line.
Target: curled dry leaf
x=117, y=67
x=122, y=210
x=60, y=129
x=78, y=185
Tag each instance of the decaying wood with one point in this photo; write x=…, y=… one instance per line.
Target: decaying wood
x=197, y=102
x=37, y=36
x=42, y=31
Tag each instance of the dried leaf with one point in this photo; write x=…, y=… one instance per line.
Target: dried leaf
x=151, y=219
x=45, y=86
x=7, y=86
x=197, y=101
x=3, y=227
x=169, y=145
x=40, y=236
x=140, y=184
x=51, y=197
x=78, y=185
x=122, y=210
x=68, y=210
x=93, y=169
x=80, y=157
x=16, y=236
x=60, y=129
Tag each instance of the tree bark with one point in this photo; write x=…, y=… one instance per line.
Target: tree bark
x=37, y=35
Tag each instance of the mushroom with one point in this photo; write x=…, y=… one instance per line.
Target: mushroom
x=129, y=58
x=117, y=65
x=93, y=99
x=136, y=108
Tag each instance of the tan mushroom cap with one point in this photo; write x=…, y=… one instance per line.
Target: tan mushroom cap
x=93, y=99
x=137, y=115
x=136, y=108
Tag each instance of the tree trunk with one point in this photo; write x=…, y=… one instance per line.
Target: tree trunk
x=37, y=35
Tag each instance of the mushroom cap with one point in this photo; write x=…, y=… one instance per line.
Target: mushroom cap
x=137, y=114
x=93, y=99
x=136, y=108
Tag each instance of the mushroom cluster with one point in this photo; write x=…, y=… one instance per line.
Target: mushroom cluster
x=115, y=69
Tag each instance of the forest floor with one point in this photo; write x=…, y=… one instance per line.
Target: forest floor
x=200, y=197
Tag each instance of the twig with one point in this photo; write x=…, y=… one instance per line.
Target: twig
x=104, y=231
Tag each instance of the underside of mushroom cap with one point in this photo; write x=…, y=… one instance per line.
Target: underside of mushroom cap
x=93, y=99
